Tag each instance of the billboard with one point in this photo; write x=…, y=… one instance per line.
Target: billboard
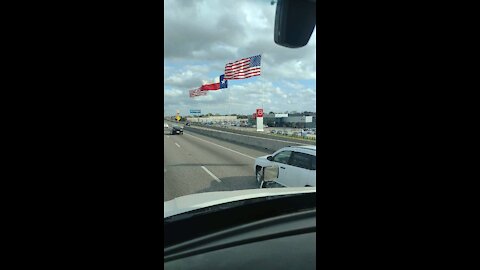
x=306, y=119
x=259, y=112
x=278, y=115
x=195, y=111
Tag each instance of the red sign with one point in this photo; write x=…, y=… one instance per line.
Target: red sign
x=259, y=112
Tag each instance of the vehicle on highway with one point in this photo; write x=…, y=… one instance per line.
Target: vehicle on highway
x=297, y=166
x=273, y=131
x=165, y=125
x=177, y=130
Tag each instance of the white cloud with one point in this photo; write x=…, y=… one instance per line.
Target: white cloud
x=243, y=99
x=202, y=36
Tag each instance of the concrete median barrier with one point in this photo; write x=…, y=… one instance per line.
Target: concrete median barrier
x=272, y=144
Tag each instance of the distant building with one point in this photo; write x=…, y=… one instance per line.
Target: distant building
x=297, y=120
x=207, y=119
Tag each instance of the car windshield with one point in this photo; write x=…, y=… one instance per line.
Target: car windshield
x=243, y=96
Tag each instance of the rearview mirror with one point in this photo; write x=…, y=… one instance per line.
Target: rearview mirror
x=270, y=173
x=294, y=22
x=270, y=158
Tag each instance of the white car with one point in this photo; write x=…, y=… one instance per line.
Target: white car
x=297, y=166
x=165, y=125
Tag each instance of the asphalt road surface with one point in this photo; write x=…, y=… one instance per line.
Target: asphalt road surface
x=196, y=163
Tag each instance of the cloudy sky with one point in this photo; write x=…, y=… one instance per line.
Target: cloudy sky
x=202, y=36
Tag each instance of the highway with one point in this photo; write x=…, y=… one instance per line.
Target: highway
x=195, y=163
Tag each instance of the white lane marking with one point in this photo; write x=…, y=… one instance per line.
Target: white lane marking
x=222, y=147
x=211, y=174
x=177, y=145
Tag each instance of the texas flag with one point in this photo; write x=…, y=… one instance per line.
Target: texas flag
x=220, y=84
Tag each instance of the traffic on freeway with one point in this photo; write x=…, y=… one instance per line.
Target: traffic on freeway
x=194, y=163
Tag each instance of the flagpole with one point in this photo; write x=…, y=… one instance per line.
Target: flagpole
x=229, y=105
x=264, y=90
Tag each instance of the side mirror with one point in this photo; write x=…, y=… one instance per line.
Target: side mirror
x=270, y=158
x=294, y=22
x=270, y=173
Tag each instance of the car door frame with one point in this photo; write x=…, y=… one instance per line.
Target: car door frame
x=282, y=171
x=303, y=174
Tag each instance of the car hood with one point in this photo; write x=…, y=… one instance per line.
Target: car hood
x=263, y=157
x=201, y=200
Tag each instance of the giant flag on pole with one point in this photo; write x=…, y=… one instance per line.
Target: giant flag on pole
x=243, y=68
x=222, y=83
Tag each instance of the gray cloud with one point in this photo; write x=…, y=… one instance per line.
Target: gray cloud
x=215, y=32
x=186, y=78
x=225, y=31
x=243, y=99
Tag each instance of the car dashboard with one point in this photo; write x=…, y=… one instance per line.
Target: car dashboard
x=266, y=238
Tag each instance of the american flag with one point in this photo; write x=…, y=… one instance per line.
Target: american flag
x=243, y=68
x=197, y=92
